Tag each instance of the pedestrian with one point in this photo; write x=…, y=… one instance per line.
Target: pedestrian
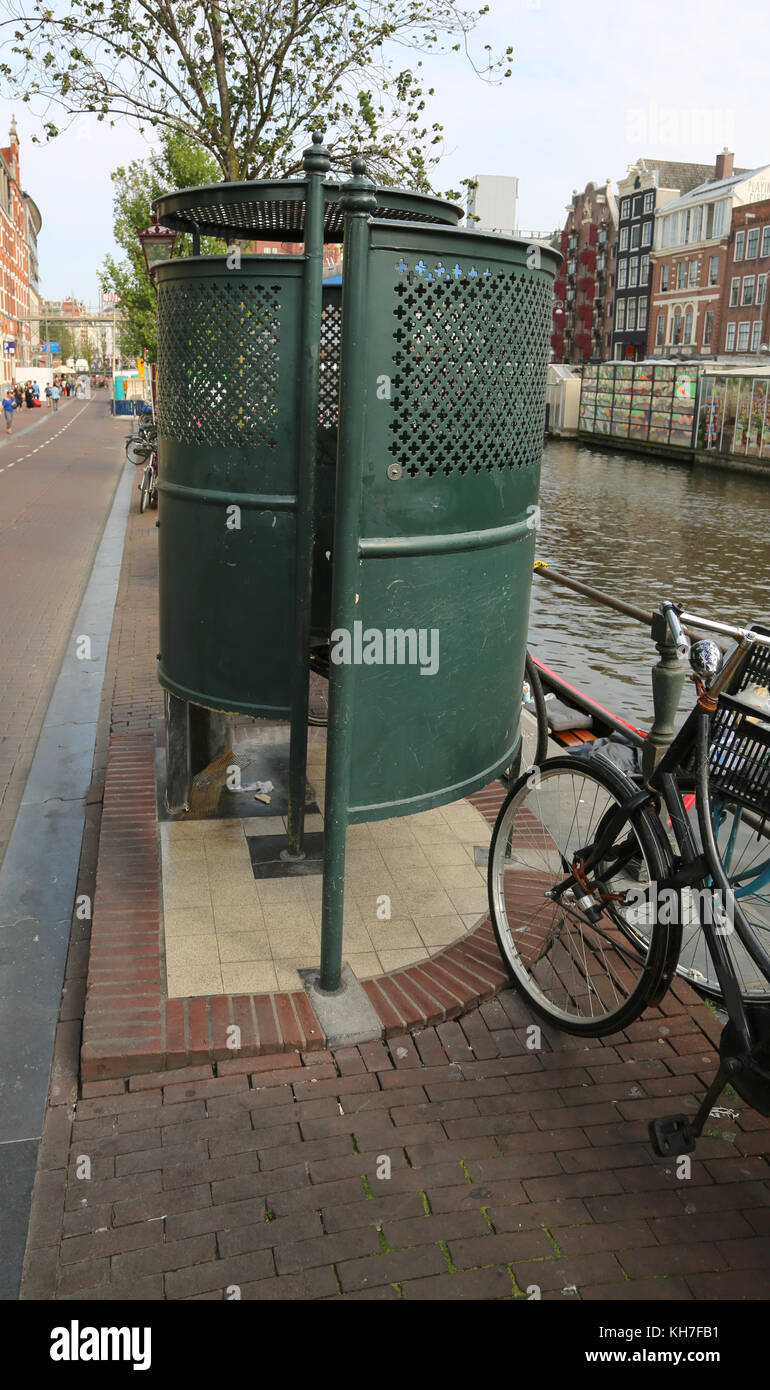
x=9, y=405
x=55, y=396
x=48, y=396
x=36, y=390
x=19, y=394
x=29, y=395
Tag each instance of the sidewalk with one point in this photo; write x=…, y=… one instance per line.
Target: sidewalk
x=170, y=1168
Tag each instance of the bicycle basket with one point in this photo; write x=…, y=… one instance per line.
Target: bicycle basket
x=739, y=756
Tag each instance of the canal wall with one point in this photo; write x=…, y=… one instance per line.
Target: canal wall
x=674, y=453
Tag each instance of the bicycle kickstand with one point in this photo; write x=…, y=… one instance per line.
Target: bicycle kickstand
x=671, y=1135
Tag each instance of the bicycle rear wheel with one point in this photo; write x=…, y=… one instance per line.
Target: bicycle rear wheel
x=577, y=952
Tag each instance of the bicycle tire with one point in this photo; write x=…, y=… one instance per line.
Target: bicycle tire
x=144, y=490
x=614, y=939
x=138, y=451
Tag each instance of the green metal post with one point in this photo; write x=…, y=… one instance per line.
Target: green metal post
x=358, y=201
x=667, y=682
x=316, y=163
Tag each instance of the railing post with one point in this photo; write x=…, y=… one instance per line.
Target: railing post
x=667, y=683
x=316, y=163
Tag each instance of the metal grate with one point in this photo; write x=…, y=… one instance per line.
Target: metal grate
x=331, y=339
x=739, y=757
x=279, y=218
x=471, y=363
x=218, y=362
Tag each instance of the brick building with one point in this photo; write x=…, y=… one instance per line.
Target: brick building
x=689, y=261
x=649, y=185
x=582, y=315
x=19, y=225
x=744, y=310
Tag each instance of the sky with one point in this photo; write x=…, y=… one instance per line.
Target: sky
x=594, y=86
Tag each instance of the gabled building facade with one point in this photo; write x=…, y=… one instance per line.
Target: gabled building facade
x=689, y=261
x=14, y=261
x=649, y=185
x=582, y=314
x=744, y=311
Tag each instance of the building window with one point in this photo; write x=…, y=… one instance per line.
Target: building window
x=713, y=269
x=641, y=317
x=620, y=316
x=664, y=277
x=752, y=244
x=708, y=325
x=740, y=238
x=765, y=242
x=676, y=336
x=761, y=288
x=638, y=206
x=730, y=338
x=697, y=223
x=659, y=329
x=622, y=273
x=623, y=243
x=681, y=275
x=719, y=219
x=743, y=336
x=633, y=271
x=644, y=270
x=649, y=202
x=735, y=291
x=636, y=234
x=688, y=326
x=748, y=289
x=618, y=354
x=647, y=234
x=756, y=328
x=631, y=315
x=692, y=278
x=625, y=208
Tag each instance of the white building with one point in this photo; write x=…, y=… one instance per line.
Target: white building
x=493, y=203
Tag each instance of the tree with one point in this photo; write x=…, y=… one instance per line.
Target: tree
x=175, y=165
x=247, y=79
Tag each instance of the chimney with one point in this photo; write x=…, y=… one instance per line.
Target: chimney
x=724, y=165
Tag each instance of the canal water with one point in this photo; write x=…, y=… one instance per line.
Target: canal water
x=643, y=529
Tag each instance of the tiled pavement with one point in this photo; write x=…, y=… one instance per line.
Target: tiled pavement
x=454, y=1163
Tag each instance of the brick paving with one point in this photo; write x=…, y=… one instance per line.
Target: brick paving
x=452, y=1163
x=442, y=1162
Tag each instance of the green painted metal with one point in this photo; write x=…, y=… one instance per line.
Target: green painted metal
x=229, y=349
x=316, y=163
x=454, y=363
x=358, y=202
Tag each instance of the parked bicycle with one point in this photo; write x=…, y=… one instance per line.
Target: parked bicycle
x=139, y=446
x=598, y=884
x=148, y=487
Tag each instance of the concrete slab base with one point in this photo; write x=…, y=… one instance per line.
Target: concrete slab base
x=347, y=1017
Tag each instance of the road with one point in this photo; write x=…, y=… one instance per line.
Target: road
x=58, y=476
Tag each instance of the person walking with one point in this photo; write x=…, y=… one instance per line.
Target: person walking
x=9, y=405
x=55, y=396
x=36, y=390
x=19, y=394
x=48, y=396
x=29, y=395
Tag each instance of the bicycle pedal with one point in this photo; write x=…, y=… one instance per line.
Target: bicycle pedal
x=671, y=1135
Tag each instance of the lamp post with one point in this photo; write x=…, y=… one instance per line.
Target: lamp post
x=157, y=244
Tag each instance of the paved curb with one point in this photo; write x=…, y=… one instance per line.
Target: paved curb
x=130, y=1026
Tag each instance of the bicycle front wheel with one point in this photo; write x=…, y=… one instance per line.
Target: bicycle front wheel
x=584, y=946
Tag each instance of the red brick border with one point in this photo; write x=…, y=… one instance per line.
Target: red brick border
x=130, y=1026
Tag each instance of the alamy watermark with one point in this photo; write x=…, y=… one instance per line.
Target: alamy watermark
x=390, y=646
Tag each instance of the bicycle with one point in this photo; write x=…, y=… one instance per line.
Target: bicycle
x=140, y=446
x=593, y=879
x=148, y=487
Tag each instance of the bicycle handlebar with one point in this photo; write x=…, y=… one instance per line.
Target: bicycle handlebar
x=739, y=634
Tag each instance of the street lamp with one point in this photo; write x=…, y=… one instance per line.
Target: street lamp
x=157, y=244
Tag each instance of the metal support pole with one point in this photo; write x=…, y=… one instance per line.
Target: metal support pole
x=358, y=201
x=316, y=163
x=667, y=682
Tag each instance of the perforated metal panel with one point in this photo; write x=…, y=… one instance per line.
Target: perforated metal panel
x=472, y=360
x=218, y=361
x=331, y=337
